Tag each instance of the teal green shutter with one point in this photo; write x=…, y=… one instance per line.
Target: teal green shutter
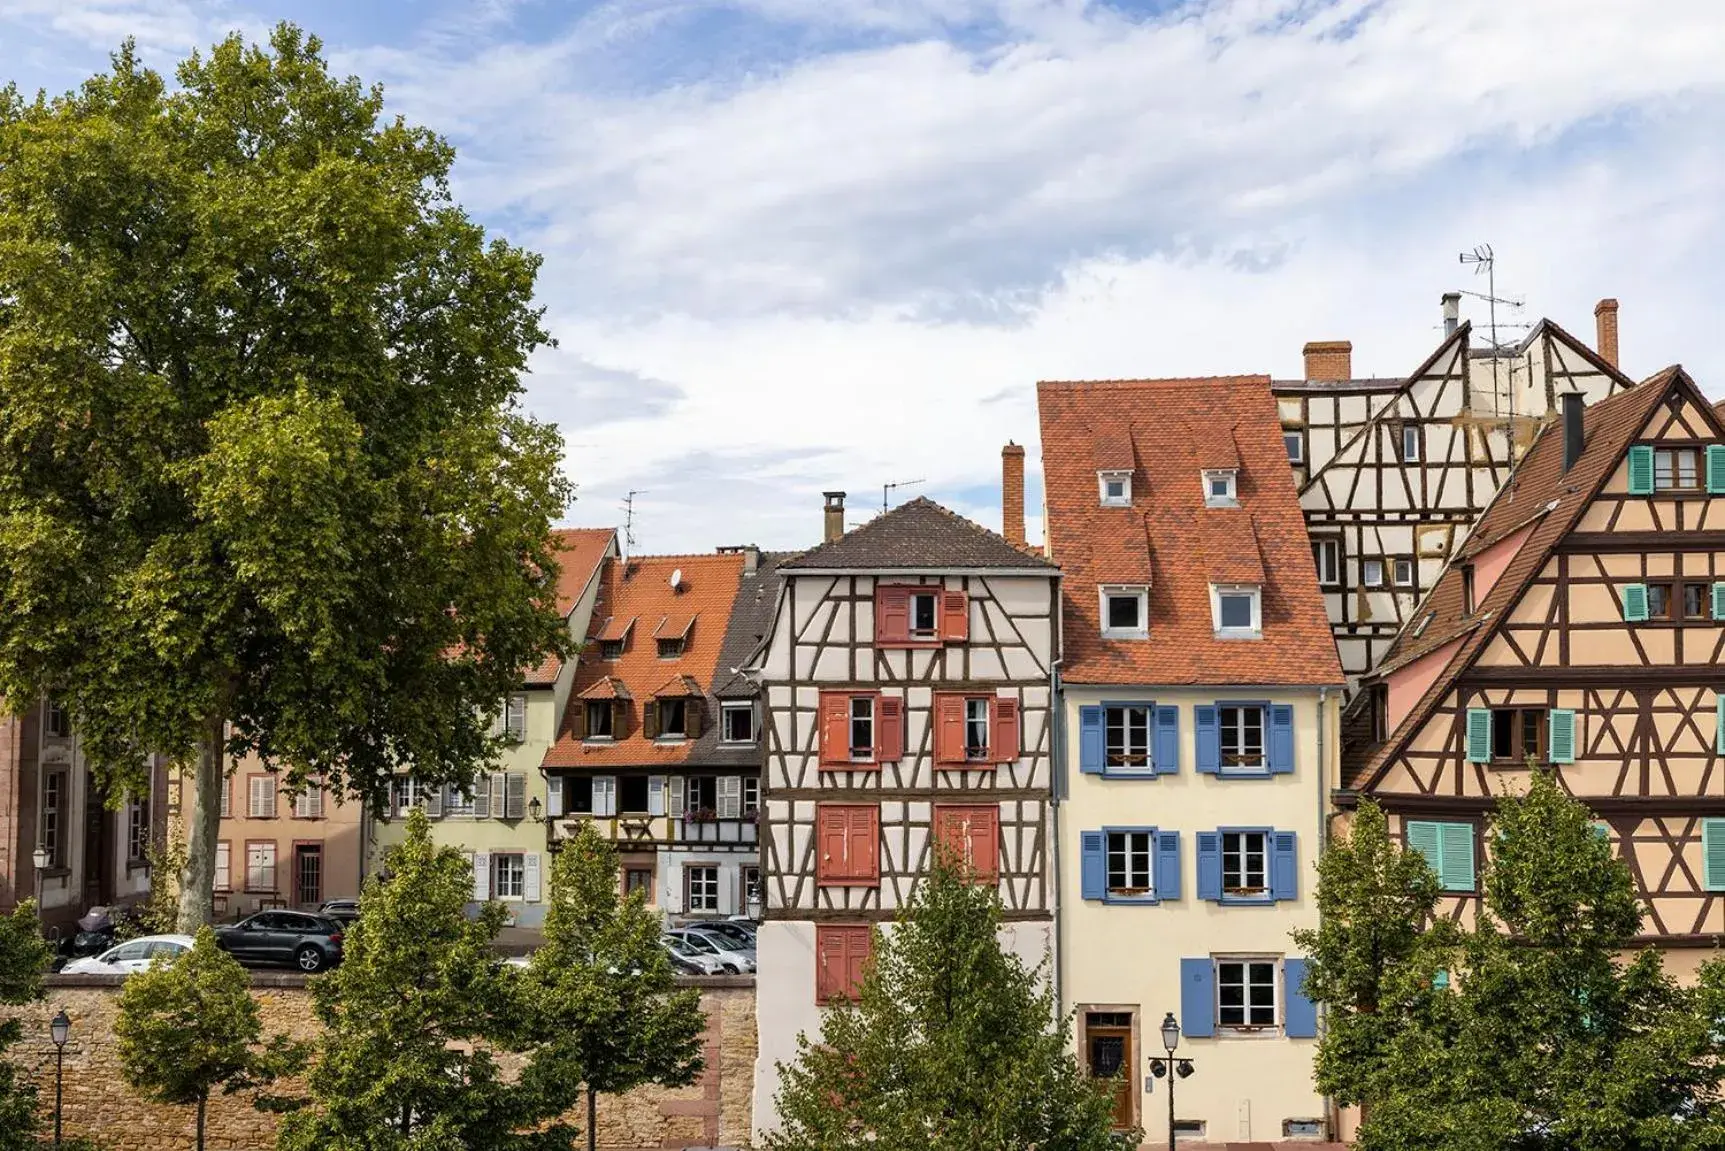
x=1719, y=721
x=1719, y=601
x=1634, y=602
x=1561, y=747
x=1479, y=735
x=1716, y=469
x=1423, y=838
x=1455, y=844
x=1440, y=981
x=1641, y=470
x=1713, y=853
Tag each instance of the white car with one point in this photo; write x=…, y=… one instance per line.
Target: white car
x=704, y=962
x=132, y=955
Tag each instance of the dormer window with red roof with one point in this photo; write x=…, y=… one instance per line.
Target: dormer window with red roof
x=1125, y=612
x=1114, y=488
x=1221, y=488
x=1238, y=611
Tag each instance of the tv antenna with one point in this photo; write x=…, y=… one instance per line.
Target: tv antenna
x=628, y=506
x=1484, y=262
x=886, y=491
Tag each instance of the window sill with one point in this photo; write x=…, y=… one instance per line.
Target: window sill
x=678, y=738
x=1247, y=900
x=598, y=739
x=1234, y=633
x=1130, y=900
x=1126, y=633
x=737, y=742
x=1148, y=771
x=1249, y=1034
x=839, y=882
x=1245, y=773
x=909, y=644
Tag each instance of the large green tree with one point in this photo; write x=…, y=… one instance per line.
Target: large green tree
x=264, y=478
x=953, y=1044
x=190, y=1026
x=603, y=1013
x=1535, y=1028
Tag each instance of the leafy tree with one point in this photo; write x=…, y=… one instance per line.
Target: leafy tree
x=190, y=1026
x=953, y=1045
x=602, y=1008
x=266, y=486
x=413, y=1018
x=24, y=956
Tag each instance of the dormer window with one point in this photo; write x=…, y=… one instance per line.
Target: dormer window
x=611, y=649
x=1221, y=489
x=671, y=648
x=1125, y=613
x=1237, y=610
x=1115, y=489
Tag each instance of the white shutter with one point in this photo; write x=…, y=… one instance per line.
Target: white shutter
x=530, y=876
x=224, y=880
x=655, y=795
x=481, y=876
x=434, y=802
x=515, y=790
x=227, y=796
x=730, y=797
x=499, y=799
x=604, y=795
x=262, y=797
x=676, y=797
x=308, y=804
x=515, y=719
x=554, y=795
x=481, y=797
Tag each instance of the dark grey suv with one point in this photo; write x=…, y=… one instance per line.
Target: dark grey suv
x=308, y=942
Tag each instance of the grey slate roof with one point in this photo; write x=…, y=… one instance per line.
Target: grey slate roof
x=918, y=535
x=751, y=617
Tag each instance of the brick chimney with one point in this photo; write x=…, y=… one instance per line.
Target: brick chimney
x=1605, y=316
x=1012, y=493
x=835, y=509
x=1330, y=360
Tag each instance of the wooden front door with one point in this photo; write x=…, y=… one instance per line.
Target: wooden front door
x=1109, y=1055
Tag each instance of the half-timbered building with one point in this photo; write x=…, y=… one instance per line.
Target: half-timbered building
x=1201, y=697
x=1393, y=472
x=907, y=684
x=1579, y=631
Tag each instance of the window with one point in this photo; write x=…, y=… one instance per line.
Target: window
x=1694, y=601
x=751, y=795
x=408, y=793
x=1126, y=736
x=703, y=888
x=1404, y=572
x=1242, y=727
x=1294, y=441
x=515, y=718
x=1302, y=1128
x=1115, y=489
x=577, y=794
x=841, y=956
x=1410, y=443
x=1125, y=612
x=224, y=878
x=673, y=718
x=1517, y=733
x=1220, y=490
x=57, y=721
x=1245, y=863
x=976, y=729
x=701, y=793
x=261, y=796
x=737, y=722
x=1246, y=993
x=671, y=648
x=599, y=719
x=508, y=875
x=632, y=792
x=638, y=879
x=1449, y=848
x=1675, y=469
x=261, y=867
x=308, y=804
x=862, y=727
x=1189, y=1129
x=611, y=649
x=138, y=831
x=1372, y=573
x=920, y=615
x=1129, y=855
x=1467, y=596
x=1237, y=611
x=1659, y=601
x=924, y=615
x=1425, y=622
x=54, y=817
x=847, y=844
x=1327, y=555
x=970, y=833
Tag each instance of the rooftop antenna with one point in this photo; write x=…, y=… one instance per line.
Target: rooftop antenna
x=628, y=506
x=886, y=491
x=1484, y=261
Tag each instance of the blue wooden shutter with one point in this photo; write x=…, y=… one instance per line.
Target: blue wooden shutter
x=1713, y=854
x=1167, y=865
x=1716, y=469
x=1561, y=746
x=1635, y=602
x=1281, y=739
x=1090, y=747
x=1284, y=866
x=1423, y=838
x=1300, y=1016
x=1210, y=865
x=1166, y=751
x=1094, y=849
x=1209, y=732
x=1479, y=735
x=1198, y=998
x=1641, y=470
x=1456, y=872
x=1719, y=601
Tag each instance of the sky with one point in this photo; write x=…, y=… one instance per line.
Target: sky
x=800, y=245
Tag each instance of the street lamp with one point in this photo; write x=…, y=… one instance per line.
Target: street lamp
x=534, y=807
x=59, y=1030
x=41, y=859
x=1169, y=1068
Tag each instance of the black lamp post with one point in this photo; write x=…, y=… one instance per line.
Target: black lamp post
x=59, y=1030
x=41, y=859
x=1169, y=1068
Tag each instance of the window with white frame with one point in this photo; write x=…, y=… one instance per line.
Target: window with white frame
x=508, y=875
x=702, y=885
x=1129, y=856
x=1404, y=572
x=308, y=804
x=459, y=803
x=1245, y=863
x=1125, y=612
x=599, y=713
x=1294, y=439
x=1372, y=572
x=737, y=722
x=58, y=721
x=1221, y=489
x=1126, y=736
x=924, y=615
x=1242, y=736
x=862, y=728
x=261, y=796
x=1411, y=443
x=976, y=729
x=138, y=830
x=1327, y=555
x=409, y=793
x=53, y=838
x=751, y=794
x=1238, y=611
x=1246, y=993
x=1115, y=488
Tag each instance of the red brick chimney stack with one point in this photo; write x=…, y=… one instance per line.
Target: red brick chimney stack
x=1605, y=316
x=1012, y=493
x=1330, y=360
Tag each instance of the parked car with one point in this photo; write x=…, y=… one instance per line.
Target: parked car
x=132, y=955
x=696, y=960
x=343, y=911
x=733, y=955
x=308, y=942
x=742, y=933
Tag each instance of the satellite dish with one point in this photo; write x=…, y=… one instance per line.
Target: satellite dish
x=677, y=577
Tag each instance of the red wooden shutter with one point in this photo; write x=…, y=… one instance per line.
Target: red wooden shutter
x=832, y=946
x=949, y=729
x=832, y=838
x=859, y=947
x=948, y=837
x=954, y=616
x=889, y=729
x=984, y=843
x=892, y=614
x=835, y=727
x=864, y=846
x=1003, y=730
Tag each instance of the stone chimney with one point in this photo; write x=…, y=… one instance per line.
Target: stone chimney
x=1451, y=313
x=751, y=559
x=1605, y=317
x=1330, y=360
x=835, y=525
x=1012, y=493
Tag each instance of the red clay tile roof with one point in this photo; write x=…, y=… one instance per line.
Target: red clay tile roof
x=579, y=553
x=1267, y=532
x=1213, y=447
x=1538, y=482
x=613, y=628
x=677, y=685
x=608, y=687
x=1120, y=547
x=640, y=588
x=674, y=626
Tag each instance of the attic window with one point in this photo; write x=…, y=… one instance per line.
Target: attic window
x=924, y=615
x=1294, y=440
x=611, y=649
x=671, y=648
x=1125, y=612
x=1220, y=489
x=1238, y=610
x=1114, y=488
x=1425, y=622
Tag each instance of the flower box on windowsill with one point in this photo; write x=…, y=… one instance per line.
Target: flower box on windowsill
x=700, y=815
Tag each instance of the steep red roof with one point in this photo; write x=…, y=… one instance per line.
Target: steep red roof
x=1178, y=428
x=580, y=551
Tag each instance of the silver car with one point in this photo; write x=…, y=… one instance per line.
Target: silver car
x=132, y=955
x=726, y=948
x=699, y=960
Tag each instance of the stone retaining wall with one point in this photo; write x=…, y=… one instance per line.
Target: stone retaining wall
x=98, y=1105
